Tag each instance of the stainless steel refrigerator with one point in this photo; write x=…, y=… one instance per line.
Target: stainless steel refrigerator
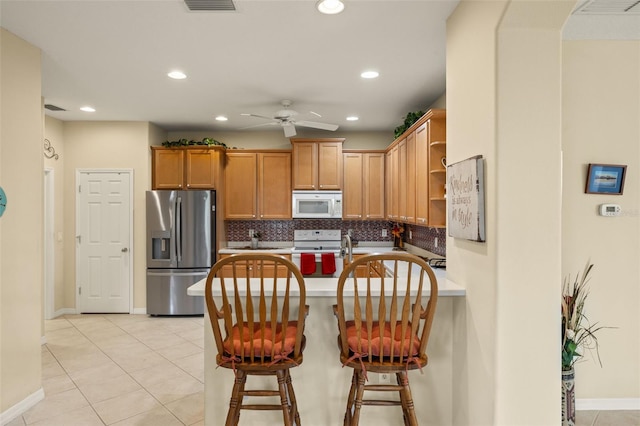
x=180, y=249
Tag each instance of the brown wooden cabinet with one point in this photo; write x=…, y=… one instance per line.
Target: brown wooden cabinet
x=393, y=184
x=317, y=163
x=437, y=171
x=241, y=186
x=258, y=185
x=422, y=175
x=361, y=270
x=254, y=269
x=416, y=177
x=186, y=168
x=363, y=192
x=274, y=185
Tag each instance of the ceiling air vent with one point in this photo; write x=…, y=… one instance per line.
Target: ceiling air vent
x=210, y=5
x=609, y=7
x=53, y=107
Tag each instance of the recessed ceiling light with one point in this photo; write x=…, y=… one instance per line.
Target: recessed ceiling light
x=330, y=7
x=369, y=74
x=221, y=118
x=177, y=75
x=352, y=118
x=87, y=109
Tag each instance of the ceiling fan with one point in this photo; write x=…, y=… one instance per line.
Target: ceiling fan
x=286, y=118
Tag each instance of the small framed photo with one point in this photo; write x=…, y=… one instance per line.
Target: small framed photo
x=605, y=179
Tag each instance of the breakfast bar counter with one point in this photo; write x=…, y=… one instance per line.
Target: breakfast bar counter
x=320, y=382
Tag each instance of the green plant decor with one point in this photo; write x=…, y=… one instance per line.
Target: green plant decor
x=411, y=118
x=187, y=142
x=578, y=333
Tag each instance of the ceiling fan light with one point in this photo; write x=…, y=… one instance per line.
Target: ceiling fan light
x=330, y=7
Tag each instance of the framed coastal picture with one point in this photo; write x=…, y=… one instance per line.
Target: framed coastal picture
x=465, y=199
x=605, y=179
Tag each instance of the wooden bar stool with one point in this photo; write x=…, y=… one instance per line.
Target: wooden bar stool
x=258, y=323
x=384, y=334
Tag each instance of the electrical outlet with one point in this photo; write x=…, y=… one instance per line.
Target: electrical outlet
x=435, y=242
x=251, y=234
x=384, y=232
x=384, y=379
x=410, y=234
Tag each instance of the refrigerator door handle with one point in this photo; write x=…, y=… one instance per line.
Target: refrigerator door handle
x=179, y=229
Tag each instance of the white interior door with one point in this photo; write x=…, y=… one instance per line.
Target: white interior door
x=103, y=241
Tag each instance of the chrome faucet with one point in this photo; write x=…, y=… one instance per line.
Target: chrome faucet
x=346, y=249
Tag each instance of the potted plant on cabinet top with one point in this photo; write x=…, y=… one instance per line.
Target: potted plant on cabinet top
x=578, y=335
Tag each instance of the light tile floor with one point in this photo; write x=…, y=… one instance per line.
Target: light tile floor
x=121, y=370
x=130, y=370
x=608, y=418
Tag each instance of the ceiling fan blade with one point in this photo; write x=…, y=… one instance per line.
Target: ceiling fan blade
x=315, y=125
x=258, y=125
x=289, y=130
x=315, y=113
x=257, y=115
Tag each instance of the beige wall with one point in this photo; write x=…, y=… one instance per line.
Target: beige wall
x=21, y=226
x=53, y=130
x=471, y=106
x=276, y=140
x=601, y=124
x=108, y=145
x=504, y=102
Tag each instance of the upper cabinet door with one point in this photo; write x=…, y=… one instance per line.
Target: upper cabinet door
x=373, y=186
x=352, y=197
x=422, y=175
x=330, y=165
x=168, y=168
x=202, y=168
x=317, y=164
x=186, y=167
x=274, y=185
x=240, y=194
x=305, y=165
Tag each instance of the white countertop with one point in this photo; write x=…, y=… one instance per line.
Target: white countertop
x=326, y=287
x=274, y=250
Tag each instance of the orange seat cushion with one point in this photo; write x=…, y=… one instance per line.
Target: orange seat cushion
x=283, y=343
x=382, y=340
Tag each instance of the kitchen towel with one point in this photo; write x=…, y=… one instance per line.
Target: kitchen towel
x=328, y=263
x=307, y=263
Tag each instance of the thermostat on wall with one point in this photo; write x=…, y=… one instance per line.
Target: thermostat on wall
x=609, y=210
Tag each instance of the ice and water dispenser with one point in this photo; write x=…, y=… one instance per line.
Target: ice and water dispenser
x=160, y=246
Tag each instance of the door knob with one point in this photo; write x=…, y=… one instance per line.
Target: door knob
x=124, y=250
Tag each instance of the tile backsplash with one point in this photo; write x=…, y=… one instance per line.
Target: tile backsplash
x=282, y=230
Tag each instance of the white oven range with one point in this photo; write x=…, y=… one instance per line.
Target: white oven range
x=317, y=242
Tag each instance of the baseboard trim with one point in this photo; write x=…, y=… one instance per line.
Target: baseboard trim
x=64, y=311
x=22, y=406
x=139, y=311
x=608, y=404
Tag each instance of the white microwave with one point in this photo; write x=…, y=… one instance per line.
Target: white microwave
x=317, y=204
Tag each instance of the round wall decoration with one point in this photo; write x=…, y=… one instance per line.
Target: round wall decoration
x=3, y=201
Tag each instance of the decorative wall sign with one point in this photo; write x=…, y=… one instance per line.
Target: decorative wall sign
x=465, y=199
x=605, y=179
x=3, y=201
